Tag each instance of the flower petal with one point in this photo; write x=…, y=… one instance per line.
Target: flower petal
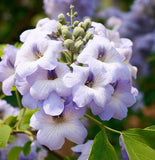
x=41, y=89
x=50, y=137
x=82, y=95
x=29, y=102
x=75, y=131
x=53, y=105
x=7, y=85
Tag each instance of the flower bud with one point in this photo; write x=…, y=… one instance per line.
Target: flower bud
x=66, y=34
x=88, y=36
x=64, y=27
x=87, y=23
x=81, y=24
x=69, y=44
x=76, y=14
x=61, y=18
x=59, y=26
x=76, y=23
x=78, y=45
x=78, y=32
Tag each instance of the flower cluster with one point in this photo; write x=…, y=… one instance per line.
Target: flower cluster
x=37, y=151
x=139, y=25
x=19, y=140
x=83, y=7
x=66, y=68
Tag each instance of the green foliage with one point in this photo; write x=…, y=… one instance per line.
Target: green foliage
x=5, y=132
x=11, y=121
x=150, y=128
x=14, y=153
x=13, y=88
x=24, y=117
x=18, y=45
x=2, y=47
x=52, y=157
x=71, y=158
x=102, y=149
x=27, y=148
x=139, y=143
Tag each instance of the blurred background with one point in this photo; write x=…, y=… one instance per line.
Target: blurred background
x=132, y=19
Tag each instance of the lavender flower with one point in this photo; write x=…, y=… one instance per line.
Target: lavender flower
x=20, y=140
x=91, y=85
x=145, y=7
x=123, y=150
x=7, y=69
x=57, y=128
x=47, y=85
x=61, y=71
x=122, y=98
x=46, y=81
x=41, y=155
x=138, y=24
x=105, y=56
x=35, y=54
x=7, y=110
x=24, y=88
x=143, y=46
x=43, y=28
x=84, y=149
x=84, y=8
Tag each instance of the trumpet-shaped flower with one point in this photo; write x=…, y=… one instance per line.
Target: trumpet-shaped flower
x=43, y=82
x=123, y=97
x=7, y=69
x=35, y=54
x=84, y=149
x=88, y=84
x=44, y=28
x=100, y=52
x=52, y=130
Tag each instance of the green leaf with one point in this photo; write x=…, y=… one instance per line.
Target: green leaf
x=150, y=128
x=18, y=45
x=139, y=143
x=27, y=148
x=5, y=132
x=2, y=47
x=14, y=153
x=25, y=118
x=102, y=149
x=1, y=122
x=11, y=121
x=13, y=88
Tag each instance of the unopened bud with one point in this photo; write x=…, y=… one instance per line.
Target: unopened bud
x=88, y=36
x=71, y=6
x=66, y=34
x=87, y=23
x=68, y=14
x=61, y=18
x=64, y=27
x=78, y=32
x=78, y=45
x=59, y=25
x=75, y=23
x=76, y=14
x=81, y=24
x=69, y=44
